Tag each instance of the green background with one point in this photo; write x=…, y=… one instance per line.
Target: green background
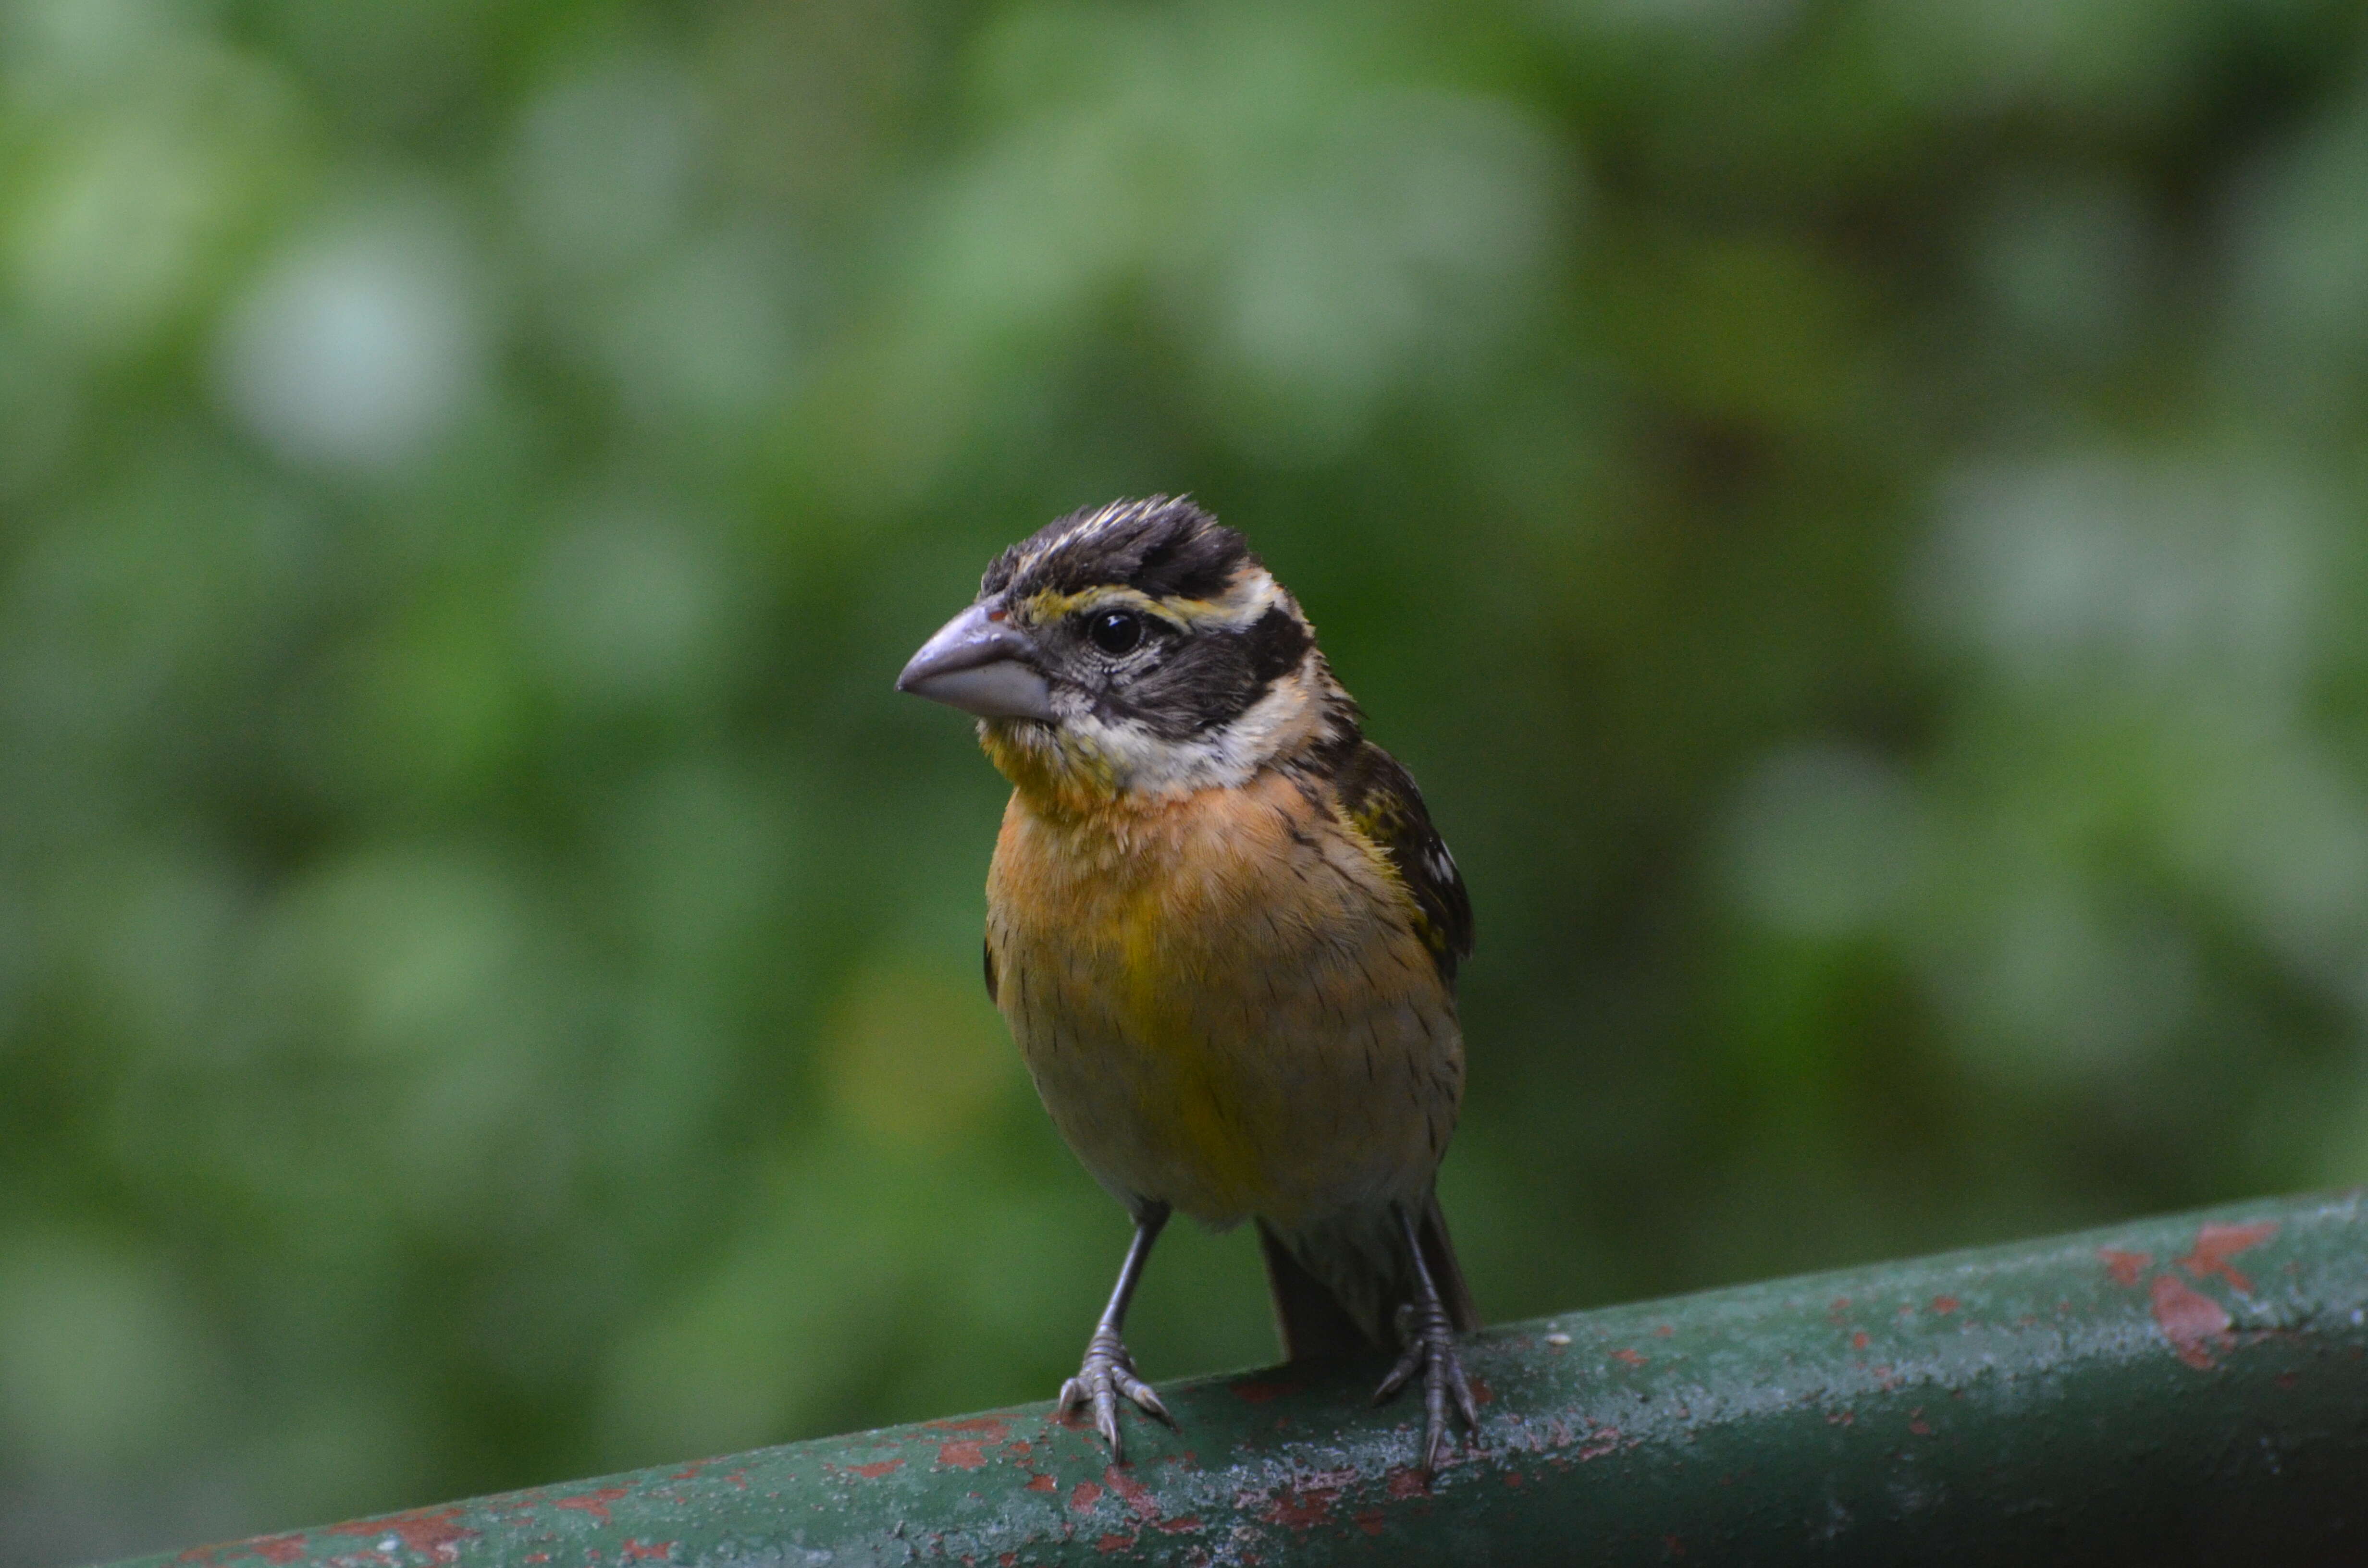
x=1849, y=510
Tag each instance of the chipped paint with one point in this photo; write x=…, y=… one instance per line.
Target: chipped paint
x=595, y=1503
x=2216, y=1243
x=2124, y=1267
x=2194, y=1323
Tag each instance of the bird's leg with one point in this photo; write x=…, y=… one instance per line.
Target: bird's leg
x=1430, y=1350
x=1108, y=1370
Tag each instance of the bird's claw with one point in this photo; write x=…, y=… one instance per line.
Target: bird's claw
x=1107, y=1376
x=1430, y=1350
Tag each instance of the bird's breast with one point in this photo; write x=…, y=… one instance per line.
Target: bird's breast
x=1224, y=1003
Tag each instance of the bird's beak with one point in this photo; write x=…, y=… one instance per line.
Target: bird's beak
x=981, y=665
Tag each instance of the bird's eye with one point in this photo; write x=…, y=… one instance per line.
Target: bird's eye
x=1116, y=631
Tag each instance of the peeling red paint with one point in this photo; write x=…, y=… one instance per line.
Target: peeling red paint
x=1481, y=1393
x=1185, y=1526
x=991, y=1429
x=1114, y=1543
x=635, y=1549
x=1007, y=1560
x=1307, y=1501
x=1370, y=1520
x=1944, y=1305
x=594, y=1503
x=1631, y=1357
x=436, y=1532
x=1605, y=1439
x=1408, y=1483
x=967, y=1455
x=1137, y=1495
x=1086, y=1496
x=1042, y=1483
x=2193, y=1322
x=2216, y=1243
x=277, y=1548
x=875, y=1472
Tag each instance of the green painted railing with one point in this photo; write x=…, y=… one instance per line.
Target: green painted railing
x=2183, y=1390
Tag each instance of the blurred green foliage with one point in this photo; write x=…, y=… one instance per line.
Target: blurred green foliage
x=1848, y=507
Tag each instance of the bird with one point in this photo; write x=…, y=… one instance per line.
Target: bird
x=1224, y=933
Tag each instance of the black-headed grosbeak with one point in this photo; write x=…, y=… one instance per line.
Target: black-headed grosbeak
x=1223, y=931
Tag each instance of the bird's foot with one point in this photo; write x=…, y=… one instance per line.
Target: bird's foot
x=1108, y=1374
x=1430, y=1350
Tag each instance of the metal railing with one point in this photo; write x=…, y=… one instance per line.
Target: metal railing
x=2175, y=1390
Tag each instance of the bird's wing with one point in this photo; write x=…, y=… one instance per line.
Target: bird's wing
x=1378, y=798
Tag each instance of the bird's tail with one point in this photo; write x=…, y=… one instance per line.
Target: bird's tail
x=1338, y=1285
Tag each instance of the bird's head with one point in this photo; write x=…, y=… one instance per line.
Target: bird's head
x=1131, y=653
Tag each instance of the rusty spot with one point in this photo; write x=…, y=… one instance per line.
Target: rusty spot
x=1137, y=1495
x=277, y=1548
x=2216, y=1243
x=1603, y=1442
x=1184, y=1526
x=1370, y=1520
x=594, y=1503
x=1841, y=1417
x=1307, y=1501
x=1408, y=1483
x=1020, y=1449
x=1859, y=1340
x=2191, y=1320
x=1917, y=1424
x=1944, y=1305
x=1513, y=1480
x=1631, y=1357
x=1007, y=1560
x=436, y=1532
x=1114, y=1543
x=966, y=1455
x=1259, y=1393
x=634, y=1549
x=1664, y=1332
x=1840, y=1305
x=1481, y=1393
x=1084, y=1496
x=1041, y=1483
x=875, y=1472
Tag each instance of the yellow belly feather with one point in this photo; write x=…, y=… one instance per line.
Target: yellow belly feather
x=1223, y=1005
